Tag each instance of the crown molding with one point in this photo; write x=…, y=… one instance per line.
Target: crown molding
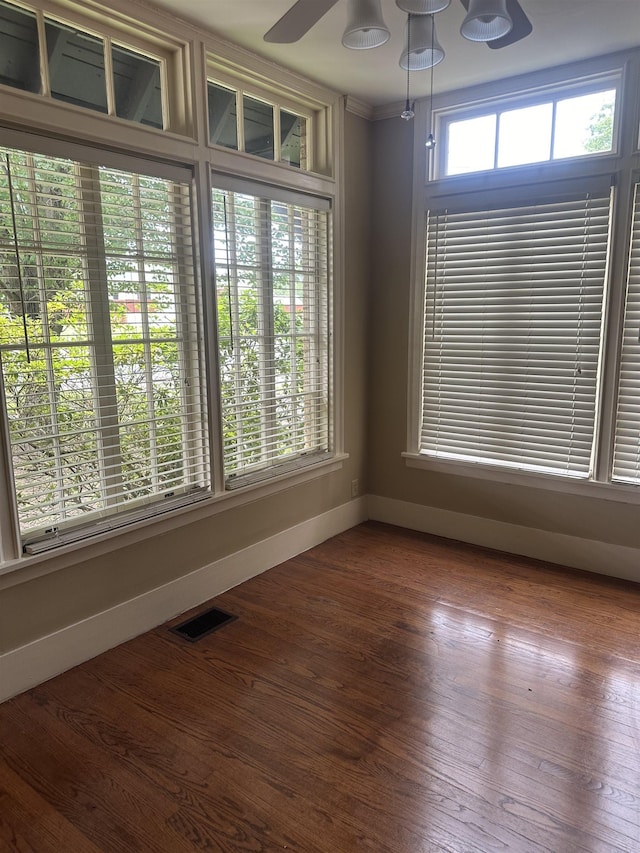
x=385, y=111
x=358, y=107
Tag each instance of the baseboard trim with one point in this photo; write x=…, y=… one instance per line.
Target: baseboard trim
x=591, y=555
x=31, y=664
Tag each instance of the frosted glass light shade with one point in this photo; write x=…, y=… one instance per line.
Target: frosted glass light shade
x=365, y=26
x=486, y=20
x=424, y=50
x=422, y=7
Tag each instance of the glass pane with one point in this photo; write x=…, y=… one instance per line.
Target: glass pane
x=76, y=67
x=223, y=125
x=293, y=139
x=471, y=145
x=137, y=86
x=258, y=128
x=584, y=125
x=524, y=135
x=19, y=52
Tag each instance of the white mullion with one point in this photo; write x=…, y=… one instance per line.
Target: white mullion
x=277, y=133
x=45, y=80
x=108, y=75
x=240, y=118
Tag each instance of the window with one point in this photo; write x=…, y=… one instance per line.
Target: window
x=527, y=347
x=81, y=67
x=272, y=281
x=552, y=129
x=514, y=300
x=99, y=338
x=117, y=407
x=626, y=466
x=267, y=130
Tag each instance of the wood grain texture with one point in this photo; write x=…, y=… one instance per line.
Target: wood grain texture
x=384, y=691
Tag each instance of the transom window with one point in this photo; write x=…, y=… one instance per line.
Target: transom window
x=80, y=67
x=242, y=122
x=552, y=129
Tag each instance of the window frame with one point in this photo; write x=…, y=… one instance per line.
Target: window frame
x=431, y=190
x=87, y=162
x=120, y=141
x=319, y=115
x=116, y=29
x=278, y=105
x=265, y=196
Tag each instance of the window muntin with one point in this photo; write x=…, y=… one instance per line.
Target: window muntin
x=19, y=48
x=553, y=129
x=99, y=340
x=513, y=309
x=268, y=130
x=272, y=281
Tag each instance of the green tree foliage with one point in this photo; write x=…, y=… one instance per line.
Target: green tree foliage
x=600, y=130
x=82, y=428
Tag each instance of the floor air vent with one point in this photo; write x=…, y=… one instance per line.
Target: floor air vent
x=203, y=624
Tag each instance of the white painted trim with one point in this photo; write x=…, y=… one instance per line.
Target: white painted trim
x=619, y=492
x=358, y=107
x=588, y=554
x=386, y=111
x=29, y=665
x=30, y=566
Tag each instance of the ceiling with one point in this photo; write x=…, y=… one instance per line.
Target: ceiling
x=563, y=31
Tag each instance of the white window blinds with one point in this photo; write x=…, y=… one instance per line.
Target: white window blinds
x=512, y=333
x=626, y=464
x=273, y=296
x=99, y=339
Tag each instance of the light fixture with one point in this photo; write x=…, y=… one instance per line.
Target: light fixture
x=365, y=26
x=486, y=20
x=422, y=7
x=424, y=50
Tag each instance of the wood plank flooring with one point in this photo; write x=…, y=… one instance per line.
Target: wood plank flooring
x=385, y=691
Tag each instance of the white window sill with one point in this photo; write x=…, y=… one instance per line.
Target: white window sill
x=550, y=482
x=28, y=567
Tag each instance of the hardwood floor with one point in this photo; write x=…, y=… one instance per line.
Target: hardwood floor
x=385, y=691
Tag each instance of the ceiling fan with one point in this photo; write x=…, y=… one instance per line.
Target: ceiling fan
x=499, y=23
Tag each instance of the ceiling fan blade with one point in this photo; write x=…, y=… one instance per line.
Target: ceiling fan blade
x=521, y=28
x=298, y=20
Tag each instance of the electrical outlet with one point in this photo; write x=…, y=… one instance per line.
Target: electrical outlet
x=355, y=488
